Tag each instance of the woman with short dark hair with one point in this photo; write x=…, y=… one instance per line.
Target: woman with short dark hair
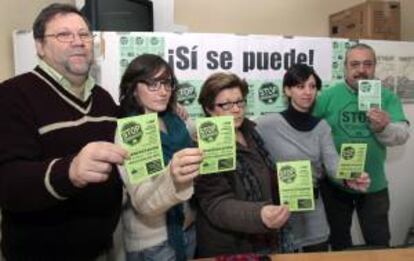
x=295, y=134
x=238, y=211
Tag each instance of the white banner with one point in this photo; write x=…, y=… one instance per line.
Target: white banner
x=261, y=60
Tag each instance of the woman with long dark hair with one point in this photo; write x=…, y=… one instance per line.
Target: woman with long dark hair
x=158, y=219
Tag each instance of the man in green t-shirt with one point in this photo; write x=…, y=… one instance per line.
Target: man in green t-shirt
x=378, y=128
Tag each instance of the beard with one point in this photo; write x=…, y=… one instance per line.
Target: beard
x=354, y=82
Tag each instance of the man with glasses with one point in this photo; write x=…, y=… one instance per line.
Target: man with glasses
x=59, y=193
x=378, y=128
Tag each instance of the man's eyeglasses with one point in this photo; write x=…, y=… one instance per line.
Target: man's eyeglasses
x=226, y=106
x=154, y=85
x=67, y=37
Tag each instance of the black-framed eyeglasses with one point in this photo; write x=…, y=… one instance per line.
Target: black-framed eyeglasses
x=67, y=37
x=154, y=85
x=226, y=106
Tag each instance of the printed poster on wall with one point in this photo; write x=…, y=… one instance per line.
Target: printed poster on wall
x=395, y=67
x=259, y=59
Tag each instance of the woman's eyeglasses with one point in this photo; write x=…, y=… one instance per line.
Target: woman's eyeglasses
x=226, y=106
x=154, y=85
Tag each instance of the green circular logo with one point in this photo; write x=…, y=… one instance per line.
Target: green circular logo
x=348, y=153
x=186, y=94
x=365, y=87
x=124, y=62
x=155, y=40
x=139, y=40
x=123, y=40
x=208, y=131
x=287, y=174
x=268, y=93
x=131, y=133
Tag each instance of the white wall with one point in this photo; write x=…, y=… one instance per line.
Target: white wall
x=16, y=14
x=293, y=17
x=285, y=17
x=400, y=173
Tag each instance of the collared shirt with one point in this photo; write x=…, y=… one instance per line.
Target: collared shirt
x=65, y=83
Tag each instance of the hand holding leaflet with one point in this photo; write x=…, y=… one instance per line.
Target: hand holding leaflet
x=217, y=139
x=140, y=135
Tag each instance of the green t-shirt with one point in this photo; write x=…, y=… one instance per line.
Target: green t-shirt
x=338, y=105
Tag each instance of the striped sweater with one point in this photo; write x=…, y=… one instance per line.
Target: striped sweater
x=42, y=128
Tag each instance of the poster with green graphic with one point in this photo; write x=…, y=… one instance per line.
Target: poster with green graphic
x=217, y=139
x=296, y=185
x=187, y=95
x=140, y=135
x=250, y=102
x=269, y=96
x=132, y=45
x=352, y=160
x=339, y=48
x=369, y=94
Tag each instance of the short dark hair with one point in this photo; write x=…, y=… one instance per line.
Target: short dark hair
x=298, y=74
x=361, y=46
x=48, y=13
x=142, y=68
x=217, y=82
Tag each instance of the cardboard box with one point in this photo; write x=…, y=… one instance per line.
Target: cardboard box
x=369, y=20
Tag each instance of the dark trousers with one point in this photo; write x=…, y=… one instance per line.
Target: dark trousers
x=372, y=210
